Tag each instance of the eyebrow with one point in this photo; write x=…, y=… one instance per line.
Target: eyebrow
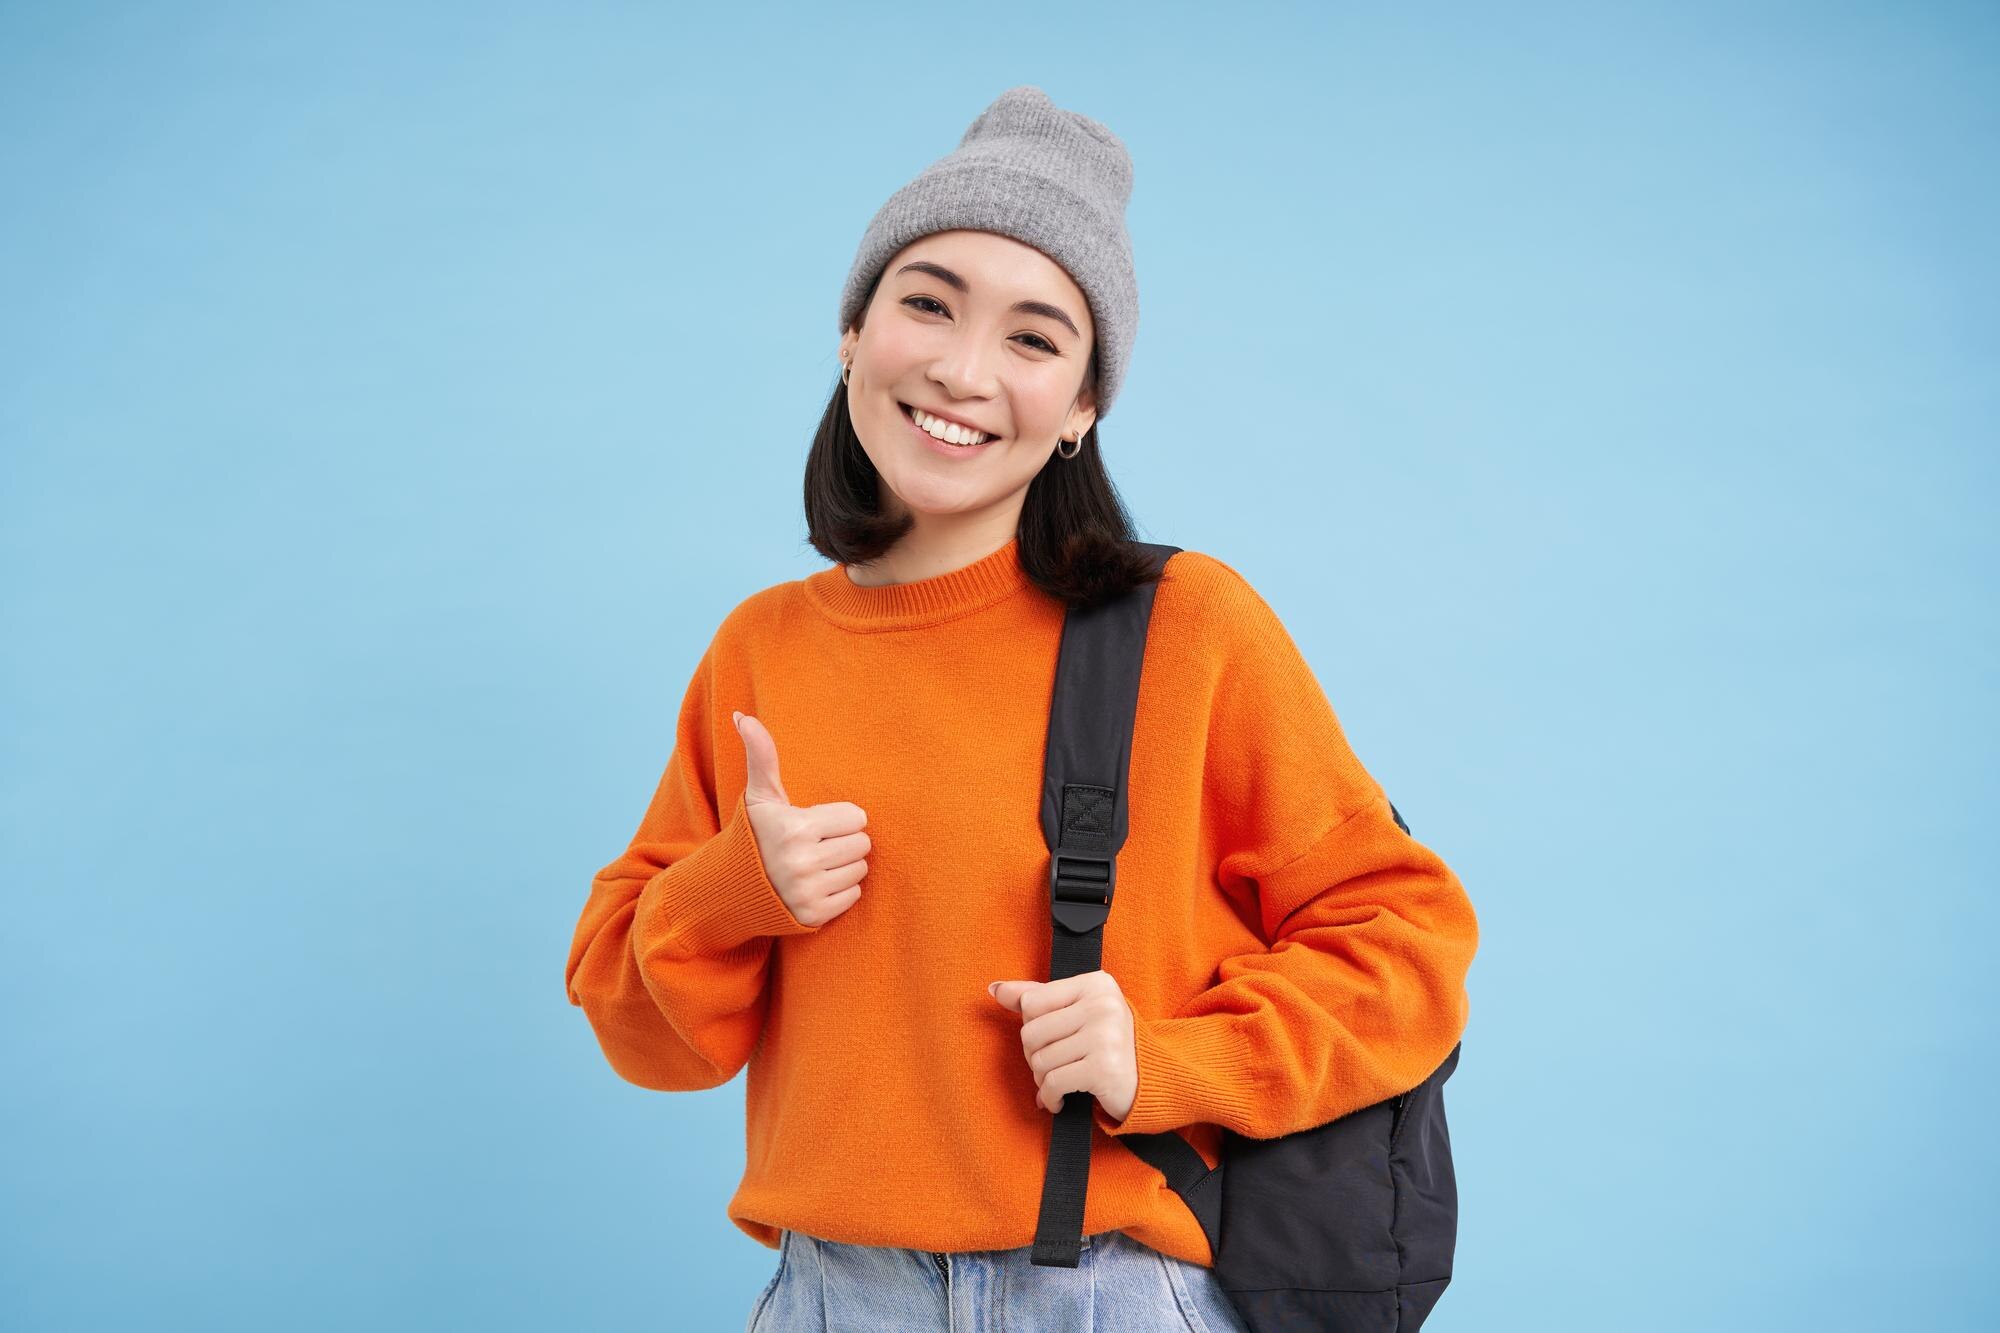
x=943, y=274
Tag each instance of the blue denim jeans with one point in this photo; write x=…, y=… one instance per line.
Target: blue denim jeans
x=1118, y=1285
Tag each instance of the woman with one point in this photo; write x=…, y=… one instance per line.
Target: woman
x=865, y=924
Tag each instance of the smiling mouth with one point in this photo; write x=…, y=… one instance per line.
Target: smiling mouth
x=909, y=415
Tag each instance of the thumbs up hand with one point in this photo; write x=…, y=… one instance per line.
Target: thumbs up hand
x=813, y=856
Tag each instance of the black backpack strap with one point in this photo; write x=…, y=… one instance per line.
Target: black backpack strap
x=1198, y=1183
x=1083, y=821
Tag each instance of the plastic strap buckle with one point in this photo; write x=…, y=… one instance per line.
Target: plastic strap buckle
x=1080, y=889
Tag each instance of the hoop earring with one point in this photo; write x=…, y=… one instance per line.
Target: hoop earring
x=844, y=368
x=1078, y=442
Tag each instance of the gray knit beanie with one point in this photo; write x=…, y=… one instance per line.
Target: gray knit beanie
x=1049, y=178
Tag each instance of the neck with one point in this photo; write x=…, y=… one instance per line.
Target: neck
x=938, y=546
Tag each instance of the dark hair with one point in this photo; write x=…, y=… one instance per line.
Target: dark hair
x=1075, y=533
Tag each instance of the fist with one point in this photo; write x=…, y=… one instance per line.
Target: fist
x=812, y=856
x=1078, y=1036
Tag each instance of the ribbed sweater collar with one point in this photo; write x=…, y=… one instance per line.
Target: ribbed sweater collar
x=930, y=601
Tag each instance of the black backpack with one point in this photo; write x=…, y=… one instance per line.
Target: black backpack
x=1348, y=1226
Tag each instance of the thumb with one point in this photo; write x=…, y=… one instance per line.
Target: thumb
x=760, y=760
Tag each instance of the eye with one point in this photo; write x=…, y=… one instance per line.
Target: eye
x=933, y=306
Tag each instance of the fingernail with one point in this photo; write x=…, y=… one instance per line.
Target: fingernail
x=738, y=719
x=993, y=989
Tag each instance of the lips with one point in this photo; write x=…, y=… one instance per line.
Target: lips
x=932, y=444
x=909, y=416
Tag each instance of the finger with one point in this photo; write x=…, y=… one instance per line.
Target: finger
x=834, y=818
x=1057, y=1054
x=760, y=761
x=1058, y=1083
x=839, y=877
x=1009, y=992
x=1053, y=1026
x=840, y=902
x=1052, y=995
x=840, y=851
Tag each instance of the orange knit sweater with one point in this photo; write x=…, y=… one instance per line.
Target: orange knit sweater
x=1289, y=953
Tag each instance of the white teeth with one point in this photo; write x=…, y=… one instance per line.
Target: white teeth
x=945, y=430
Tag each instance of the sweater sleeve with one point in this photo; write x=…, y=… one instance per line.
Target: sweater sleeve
x=670, y=957
x=1361, y=992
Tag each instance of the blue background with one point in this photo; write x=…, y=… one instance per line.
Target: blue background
x=394, y=399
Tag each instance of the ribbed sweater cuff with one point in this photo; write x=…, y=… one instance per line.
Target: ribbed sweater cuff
x=714, y=899
x=1191, y=1071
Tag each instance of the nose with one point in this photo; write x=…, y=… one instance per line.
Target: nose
x=963, y=369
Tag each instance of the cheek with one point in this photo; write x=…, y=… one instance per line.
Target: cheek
x=896, y=347
x=1040, y=407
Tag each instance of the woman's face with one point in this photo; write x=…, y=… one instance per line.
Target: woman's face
x=984, y=330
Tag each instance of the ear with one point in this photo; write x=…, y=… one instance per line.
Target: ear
x=847, y=341
x=1082, y=415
